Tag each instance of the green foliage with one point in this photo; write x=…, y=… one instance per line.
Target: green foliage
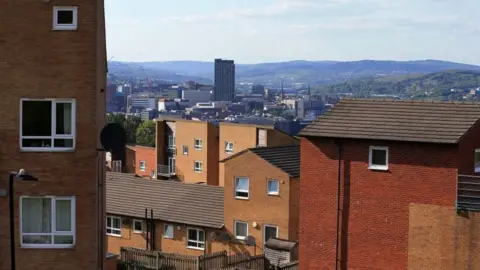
x=130, y=124
x=145, y=134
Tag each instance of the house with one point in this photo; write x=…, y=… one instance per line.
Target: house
x=141, y=160
x=262, y=191
x=184, y=215
x=391, y=185
x=53, y=66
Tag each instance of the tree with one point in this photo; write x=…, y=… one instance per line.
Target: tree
x=130, y=124
x=145, y=134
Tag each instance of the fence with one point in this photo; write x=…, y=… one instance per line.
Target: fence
x=139, y=259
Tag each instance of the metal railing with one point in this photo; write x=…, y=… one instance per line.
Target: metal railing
x=165, y=170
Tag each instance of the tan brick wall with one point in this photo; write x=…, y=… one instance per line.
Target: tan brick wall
x=278, y=138
x=37, y=62
x=242, y=136
x=260, y=207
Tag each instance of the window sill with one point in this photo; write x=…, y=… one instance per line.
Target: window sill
x=64, y=28
x=198, y=171
x=138, y=232
x=242, y=198
x=165, y=237
x=273, y=194
x=377, y=168
x=143, y=170
x=45, y=149
x=196, y=248
x=39, y=246
x=199, y=149
x=226, y=152
x=114, y=235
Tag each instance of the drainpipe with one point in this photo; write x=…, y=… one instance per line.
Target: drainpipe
x=339, y=182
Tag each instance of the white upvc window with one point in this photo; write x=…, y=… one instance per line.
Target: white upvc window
x=198, y=166
x=65, y=18
x=171, y=142
x=378, y=158
x=47, y=125
x=241, y=187
x=137, y=226
x=269, y=231
x=47, y=222
x=477, y=160
x=229, y=147
x=240, y=230
x=195, y=238
x=114, y=226
x=273, y=187
x=143, y=165
x=185, y=149
x=198, y=144
x=168, y=231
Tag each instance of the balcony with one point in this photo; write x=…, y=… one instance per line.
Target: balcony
x=165, y=170
x=468, y=193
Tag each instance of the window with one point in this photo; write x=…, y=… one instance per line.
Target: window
x=196, y=238
x=114, y=225
x=241, y=188
x=153, y=174
x=143, y=165
x=198, y=144
x=137, y=226
x=171, y=142
x=269, y=231
x=198, y=166
x=241, y=230
x=378, y=158
x=272, y=187
x=477, y=160
x=47, y=222
x=65, y=18
x=229, y=147
x=47, y=125
x=185, y=149
x=168, y=231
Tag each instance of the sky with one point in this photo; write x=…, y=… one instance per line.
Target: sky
x=255, y=31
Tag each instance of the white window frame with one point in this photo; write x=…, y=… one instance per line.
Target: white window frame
x=198, y=169
x=65, y=27
x=144, y=167
x=165, y=226
x=239, y=237
x=196, y=241
x=116, y=229
x=476, y=169
x=133, y=226
x=54, y=136
x=241, y=190
x=53, y=223
x=229, y=147
x=198, y=144
x=171, y=146
x=185, y=150
x=278, y=185
x=372, y=166
x=265, y=234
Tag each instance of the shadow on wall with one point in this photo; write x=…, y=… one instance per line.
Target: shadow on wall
x=345, y=214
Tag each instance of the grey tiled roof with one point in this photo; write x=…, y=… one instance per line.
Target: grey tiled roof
x=191, y=204
x=394, y=120
x=286, y=158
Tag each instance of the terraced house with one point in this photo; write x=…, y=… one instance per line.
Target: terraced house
x=53, y=66
x=391, y=184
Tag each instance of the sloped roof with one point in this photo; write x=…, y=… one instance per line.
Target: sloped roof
x=396, y=120
x=176, y=202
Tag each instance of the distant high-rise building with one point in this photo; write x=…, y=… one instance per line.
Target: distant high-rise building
x=224, y=80
x=258, y=89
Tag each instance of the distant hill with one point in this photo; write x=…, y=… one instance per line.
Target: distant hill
x=314, y=72
x=436, y=85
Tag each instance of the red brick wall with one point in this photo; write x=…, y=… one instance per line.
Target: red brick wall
x=146, y=154
x=468, y=144
x=374, y=204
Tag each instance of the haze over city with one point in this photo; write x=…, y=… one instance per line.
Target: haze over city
x=281, y=30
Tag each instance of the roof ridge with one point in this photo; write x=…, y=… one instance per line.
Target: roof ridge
x=274, y=147
x=423, y=101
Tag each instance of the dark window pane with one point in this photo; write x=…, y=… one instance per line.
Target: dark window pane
x=65, y=17
x=379, y=157
x=36, y=118
x=63, y=142
x=64, y=118
x=192, y=235
x=63, y=239
x=138, y=226
x=36, y=143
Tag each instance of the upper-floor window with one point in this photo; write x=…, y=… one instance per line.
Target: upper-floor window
x=241, y=230
x=378, y=158
x=47, y=222
x=185, y=149
x=65, y=18
x=171, y=142
x=137, y=226
x=272, y=187
x=47, y=124
x=198, y=144
x=143, y=165
x=114, y=226
x=229, y=147
x=241, y=187
x=198, y=166
x=477, y=160
x=195, y=238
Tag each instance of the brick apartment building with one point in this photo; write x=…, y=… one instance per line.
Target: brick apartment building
x=141, y=160
x=398, y=176
x=53, y=66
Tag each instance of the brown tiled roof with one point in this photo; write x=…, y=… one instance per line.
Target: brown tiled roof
x=191, y=204
x=394, y=120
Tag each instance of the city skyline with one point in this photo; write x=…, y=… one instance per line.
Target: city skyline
x=283, y=30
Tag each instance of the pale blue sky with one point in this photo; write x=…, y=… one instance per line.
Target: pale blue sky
x=253, y=31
